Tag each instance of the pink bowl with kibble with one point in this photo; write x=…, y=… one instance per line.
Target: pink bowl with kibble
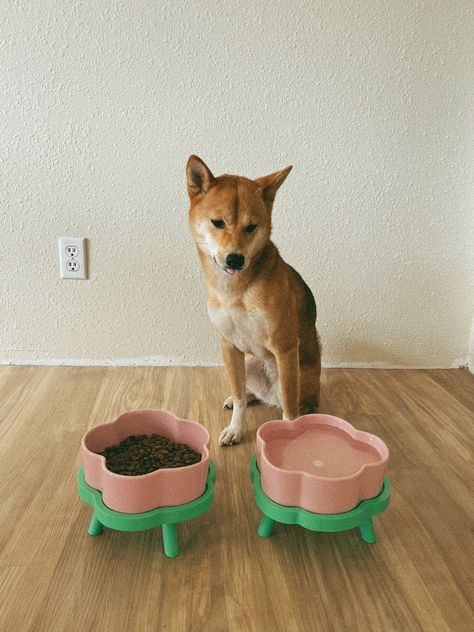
x=166, y=487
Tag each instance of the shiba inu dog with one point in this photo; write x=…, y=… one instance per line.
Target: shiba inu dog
x=263, y=311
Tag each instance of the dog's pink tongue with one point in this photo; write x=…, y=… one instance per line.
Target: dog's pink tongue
x=231, y=271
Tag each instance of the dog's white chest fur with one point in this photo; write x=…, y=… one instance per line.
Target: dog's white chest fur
x=245, y=330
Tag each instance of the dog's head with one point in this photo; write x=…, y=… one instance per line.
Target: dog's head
x=230, y=216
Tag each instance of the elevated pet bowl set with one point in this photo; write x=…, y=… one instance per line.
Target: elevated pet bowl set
x=317, y=471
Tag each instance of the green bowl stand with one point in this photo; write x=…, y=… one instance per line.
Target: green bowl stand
x=360, y=516
x=167, y=517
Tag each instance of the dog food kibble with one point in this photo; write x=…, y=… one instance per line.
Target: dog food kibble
x=142, y=454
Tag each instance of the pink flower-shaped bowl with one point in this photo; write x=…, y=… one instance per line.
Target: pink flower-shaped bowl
x=320, y=463
x=162, y=488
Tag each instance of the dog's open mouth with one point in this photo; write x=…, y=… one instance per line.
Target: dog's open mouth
x=230, y=271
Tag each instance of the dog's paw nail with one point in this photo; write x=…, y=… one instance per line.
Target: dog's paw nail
x=229, y=436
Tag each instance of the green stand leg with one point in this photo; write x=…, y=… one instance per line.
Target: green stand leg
x=266, y=527
x=170, y=540
x=95, y=527
x=367, y=532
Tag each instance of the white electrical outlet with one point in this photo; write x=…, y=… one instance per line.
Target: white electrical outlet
x=72, y=251
x=72, y=258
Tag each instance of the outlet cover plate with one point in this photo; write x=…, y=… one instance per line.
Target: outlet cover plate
x=72, y=257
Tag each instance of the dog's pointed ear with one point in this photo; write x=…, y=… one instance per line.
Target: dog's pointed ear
x=269, y=185
x=199, y=177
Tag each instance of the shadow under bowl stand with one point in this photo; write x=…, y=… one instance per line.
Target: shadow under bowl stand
x=360, y=516
x=167, y=517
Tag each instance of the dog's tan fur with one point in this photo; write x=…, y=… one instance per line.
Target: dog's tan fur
x=264, y=313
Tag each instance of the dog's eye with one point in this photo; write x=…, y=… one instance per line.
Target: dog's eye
x=250, y=228
x=218, y=223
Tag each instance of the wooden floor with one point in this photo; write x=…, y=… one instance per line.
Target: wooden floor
x=53, y=576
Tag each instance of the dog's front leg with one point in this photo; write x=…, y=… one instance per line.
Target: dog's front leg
x=289, y=375
x=234, y=361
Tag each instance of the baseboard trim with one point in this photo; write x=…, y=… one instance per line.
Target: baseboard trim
x=162, y=362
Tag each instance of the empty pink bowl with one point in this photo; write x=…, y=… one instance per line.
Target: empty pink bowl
x=320, y=463
x=162, y=488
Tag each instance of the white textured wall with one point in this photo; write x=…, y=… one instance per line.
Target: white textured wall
x=102, y=102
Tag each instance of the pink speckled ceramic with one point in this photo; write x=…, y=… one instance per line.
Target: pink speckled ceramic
x=164, y=487
x=320, y=463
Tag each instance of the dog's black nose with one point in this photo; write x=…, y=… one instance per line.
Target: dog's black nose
x=235, y=260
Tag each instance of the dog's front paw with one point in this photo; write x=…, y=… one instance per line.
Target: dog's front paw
x=230, y=435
